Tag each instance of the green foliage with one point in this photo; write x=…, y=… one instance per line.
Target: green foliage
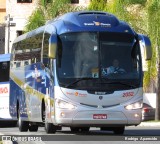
x=118, y=8
x=142, y=2
x=57, y=7
x=36, y=20
x=49, y=9
x=153, y=16
x=98, y=5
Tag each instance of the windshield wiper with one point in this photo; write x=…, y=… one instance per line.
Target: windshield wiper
x=76, y=81
x=120, y=82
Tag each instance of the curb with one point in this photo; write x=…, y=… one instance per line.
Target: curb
x=150, y=124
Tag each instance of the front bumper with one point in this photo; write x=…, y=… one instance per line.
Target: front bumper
x=114, y=118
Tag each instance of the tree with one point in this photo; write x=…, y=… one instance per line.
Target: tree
x=154, y=32
x=97, y=5
x=36, y=20
x=118, y=8
x=47, y=10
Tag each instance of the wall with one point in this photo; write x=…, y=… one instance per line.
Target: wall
x=2, y=38
x=2, y=10
x=2, y=25
x=18, y=14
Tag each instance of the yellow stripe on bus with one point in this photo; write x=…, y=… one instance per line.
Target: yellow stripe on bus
x=29, y=90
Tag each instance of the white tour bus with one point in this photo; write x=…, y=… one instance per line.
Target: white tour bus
x=66, y=74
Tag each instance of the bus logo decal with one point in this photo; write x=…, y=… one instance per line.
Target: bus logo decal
x=3, y=90
x=98, y=24
x=128, y=94
x=100, y=97
x=76, y=94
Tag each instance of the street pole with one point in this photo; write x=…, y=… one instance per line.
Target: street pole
x=8, y=31
x=157, y=113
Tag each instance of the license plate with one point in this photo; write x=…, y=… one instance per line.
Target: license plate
x=99, y=116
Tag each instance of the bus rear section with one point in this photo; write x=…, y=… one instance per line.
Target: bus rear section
x=5, y=89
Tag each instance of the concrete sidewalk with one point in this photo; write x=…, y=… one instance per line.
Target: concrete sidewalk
x=150, y=124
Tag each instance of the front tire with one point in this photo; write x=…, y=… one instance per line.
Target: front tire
x=50, y=128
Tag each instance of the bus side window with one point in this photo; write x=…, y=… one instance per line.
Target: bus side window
x=4, y=71
x=46, y=60
x=26, y=63
x=18, y=64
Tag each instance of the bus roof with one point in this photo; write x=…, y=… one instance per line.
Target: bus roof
x=80, y=22
x=5, y=57
x=89, y=21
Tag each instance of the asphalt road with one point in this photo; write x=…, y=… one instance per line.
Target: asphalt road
x=132, y=134
x=130, y=131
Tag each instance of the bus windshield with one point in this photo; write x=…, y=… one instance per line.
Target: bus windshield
x=90, y=59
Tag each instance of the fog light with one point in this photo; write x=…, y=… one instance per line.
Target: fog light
x=136, y=115
x=62, y=114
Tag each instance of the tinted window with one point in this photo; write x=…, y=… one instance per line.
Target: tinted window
x=4, y=71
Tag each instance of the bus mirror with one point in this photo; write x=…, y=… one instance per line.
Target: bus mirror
x=52, y=46
x=145, y=45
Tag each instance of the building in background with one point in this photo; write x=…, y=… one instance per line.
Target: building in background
x=2, y=10
x=17, y=13
x=2, y=25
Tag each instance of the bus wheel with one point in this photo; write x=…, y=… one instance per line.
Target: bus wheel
x=23, y=125
x=33, y=128
x=43, y=111
x=119, y=130
x=50, y=128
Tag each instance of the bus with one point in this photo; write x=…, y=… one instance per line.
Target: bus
x=4, y=90
x=61, y=79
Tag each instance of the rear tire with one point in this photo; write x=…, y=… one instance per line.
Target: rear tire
x=23, y=125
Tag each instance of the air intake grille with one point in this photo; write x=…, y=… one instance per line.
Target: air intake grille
x=93, y=13
x=95, y=106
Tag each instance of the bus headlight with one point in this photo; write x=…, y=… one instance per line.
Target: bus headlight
x=136, y=105
x=65, y=105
